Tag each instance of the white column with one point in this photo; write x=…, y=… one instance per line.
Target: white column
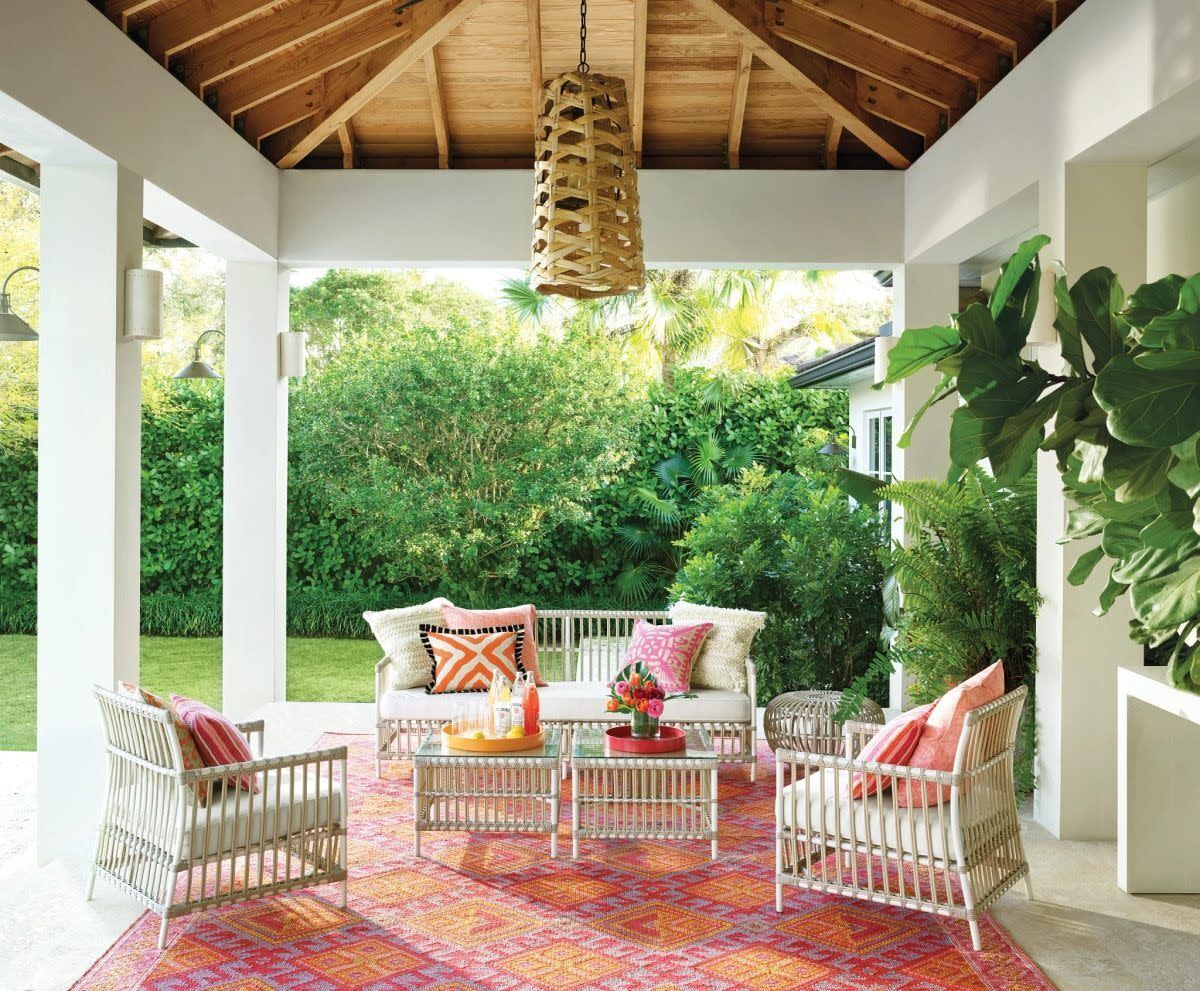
x=922, y=296
x=255, y=491
x=1096, y=215
x=89, y=486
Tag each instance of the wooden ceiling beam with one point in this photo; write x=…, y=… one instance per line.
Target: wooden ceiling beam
x=283, y=72
x=297, y=104
x=830, y=86
x=432, y=21
x=194, y=21
x=737, y=109
x=637, y=99
x=1010, y=21
x=902, y=108
x=833, y=139
x=936, y=40
x=536, y=74
x=437, y=103
x=1061, y=10
x=803, y=26
x=222, y=56
x=349, y=143
x=121, y=10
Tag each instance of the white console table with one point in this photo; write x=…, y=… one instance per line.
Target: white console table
x=1158, y=784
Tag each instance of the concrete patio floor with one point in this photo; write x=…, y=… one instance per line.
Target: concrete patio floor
x=1084, y=932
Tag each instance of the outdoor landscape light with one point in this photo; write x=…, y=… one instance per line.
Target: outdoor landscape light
x=197, y=368
x=833, y=450
x=12, y=327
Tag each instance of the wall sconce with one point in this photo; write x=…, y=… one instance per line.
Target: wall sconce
x=143, y=304
x=883, y=348
x=292, y=354
x=198, y=368
x=12, y=326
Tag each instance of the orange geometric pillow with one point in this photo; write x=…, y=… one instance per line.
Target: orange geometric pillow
x=187, y=743
x=468, y=660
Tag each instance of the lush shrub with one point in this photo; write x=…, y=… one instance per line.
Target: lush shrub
x=794, y=548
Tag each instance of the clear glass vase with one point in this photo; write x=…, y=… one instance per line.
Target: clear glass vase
x=643, y=726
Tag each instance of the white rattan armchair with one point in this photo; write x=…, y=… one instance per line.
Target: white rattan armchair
x=165, y=850
x=954, y=858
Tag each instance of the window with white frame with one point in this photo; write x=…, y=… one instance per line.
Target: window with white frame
x=879, y=444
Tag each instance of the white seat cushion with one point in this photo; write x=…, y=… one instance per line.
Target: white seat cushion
x=227, y=830
x=564, y=701
x=831, y=808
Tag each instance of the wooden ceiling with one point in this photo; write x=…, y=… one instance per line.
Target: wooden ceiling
x=712, y=83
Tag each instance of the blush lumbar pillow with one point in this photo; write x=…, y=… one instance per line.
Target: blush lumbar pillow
x=668, y=651
x=469, y=660
x=894, y=744
x=939, y=739
x=398, y=634
x=480, y=619
x=722, y=660
x=217, y=738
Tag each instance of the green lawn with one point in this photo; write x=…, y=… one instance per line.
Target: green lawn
x=318, y=671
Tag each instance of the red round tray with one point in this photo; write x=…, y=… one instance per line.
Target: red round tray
x=669, y=739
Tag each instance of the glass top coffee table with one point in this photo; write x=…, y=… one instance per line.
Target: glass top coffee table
x=624, y=796
x=514, y=792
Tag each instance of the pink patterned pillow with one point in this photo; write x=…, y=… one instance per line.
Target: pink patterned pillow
x=669, y=651
x=458, y=618
x=939, y=739
x=217, y=739
x=894, y=744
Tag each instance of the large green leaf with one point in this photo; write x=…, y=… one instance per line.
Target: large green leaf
x=1098, y=299
x=1109, y=594
x=1077, y=413
x=1153, y=300
x=969, y=436
x=1135, y=473
x=1121, y=539
x=978, y=329
x=1170, y=600
x=860, y=487
x=919, y=347
x=1152, y=400
x=1067, y=326
x=1151, y=562
x=1174, y=331
x=1013, y=449
x=1012, y=271
x=1168, y=530
x=1082, y=569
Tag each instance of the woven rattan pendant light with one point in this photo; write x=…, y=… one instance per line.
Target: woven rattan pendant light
x=587, y=235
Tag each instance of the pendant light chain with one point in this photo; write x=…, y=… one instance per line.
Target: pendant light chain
x=583, y=62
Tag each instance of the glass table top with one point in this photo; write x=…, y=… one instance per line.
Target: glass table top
x=434, y=747
x=590, y=744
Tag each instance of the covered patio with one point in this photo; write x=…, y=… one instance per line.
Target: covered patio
x=924, y=137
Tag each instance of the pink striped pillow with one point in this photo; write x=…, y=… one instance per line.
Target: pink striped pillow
x=217, y=739
x=894, y=744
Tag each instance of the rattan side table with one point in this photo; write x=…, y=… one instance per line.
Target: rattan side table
x=803, y=722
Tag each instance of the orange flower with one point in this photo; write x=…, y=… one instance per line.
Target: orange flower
x=627, y=699
x=635, y=679
x=643, y=705
x=613, y=705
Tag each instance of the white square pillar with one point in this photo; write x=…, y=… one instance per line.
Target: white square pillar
x=89, y=487
x=1095, y=215
x=922, y=296
x=255, y=491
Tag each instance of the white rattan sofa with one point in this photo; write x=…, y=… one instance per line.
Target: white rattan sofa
x=579, y=651
x=157, y=843
x=954, y=858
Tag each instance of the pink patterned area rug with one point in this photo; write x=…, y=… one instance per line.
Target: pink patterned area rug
x=494, y=913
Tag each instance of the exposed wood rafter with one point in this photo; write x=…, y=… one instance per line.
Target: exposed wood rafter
x=737, y=109
x=536, y=73
x=902, y=108
x=441, y=128
x=833, y=139
x=802, y=26
x=349, y=143
x=366, y=78
x=1011, y=21
x=222, y=56
x=288, y=108
x=832, y=87
x=277, y=75
x=194, y=21
x=121, y=10
x=637, y=99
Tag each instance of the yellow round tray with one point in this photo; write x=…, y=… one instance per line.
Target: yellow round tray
x=501, y=745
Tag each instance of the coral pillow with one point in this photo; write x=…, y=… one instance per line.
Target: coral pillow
x=894, y=744
x=479, y=619
x=217, y=739
x=187, y=743
x=469, y=660
x=669, y=651
x=939, y=740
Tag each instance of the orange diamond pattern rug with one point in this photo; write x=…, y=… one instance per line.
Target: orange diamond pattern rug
x=494, y=913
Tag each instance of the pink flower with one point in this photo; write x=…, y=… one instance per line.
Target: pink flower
x=622, y=688
x=655, y=708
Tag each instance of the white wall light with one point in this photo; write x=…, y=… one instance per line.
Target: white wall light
x=292, y=354
x=143, y=304
x=883, y=348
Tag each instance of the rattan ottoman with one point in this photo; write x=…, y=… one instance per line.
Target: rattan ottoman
x=624, y=796
x=486, y=793
x=803, y=722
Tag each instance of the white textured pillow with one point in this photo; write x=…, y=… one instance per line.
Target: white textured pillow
x=398, y=634
x=722, y=660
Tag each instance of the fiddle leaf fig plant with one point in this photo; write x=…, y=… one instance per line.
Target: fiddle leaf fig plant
x=1121, y=413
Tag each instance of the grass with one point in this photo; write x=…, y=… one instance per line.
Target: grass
x=318, y=671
